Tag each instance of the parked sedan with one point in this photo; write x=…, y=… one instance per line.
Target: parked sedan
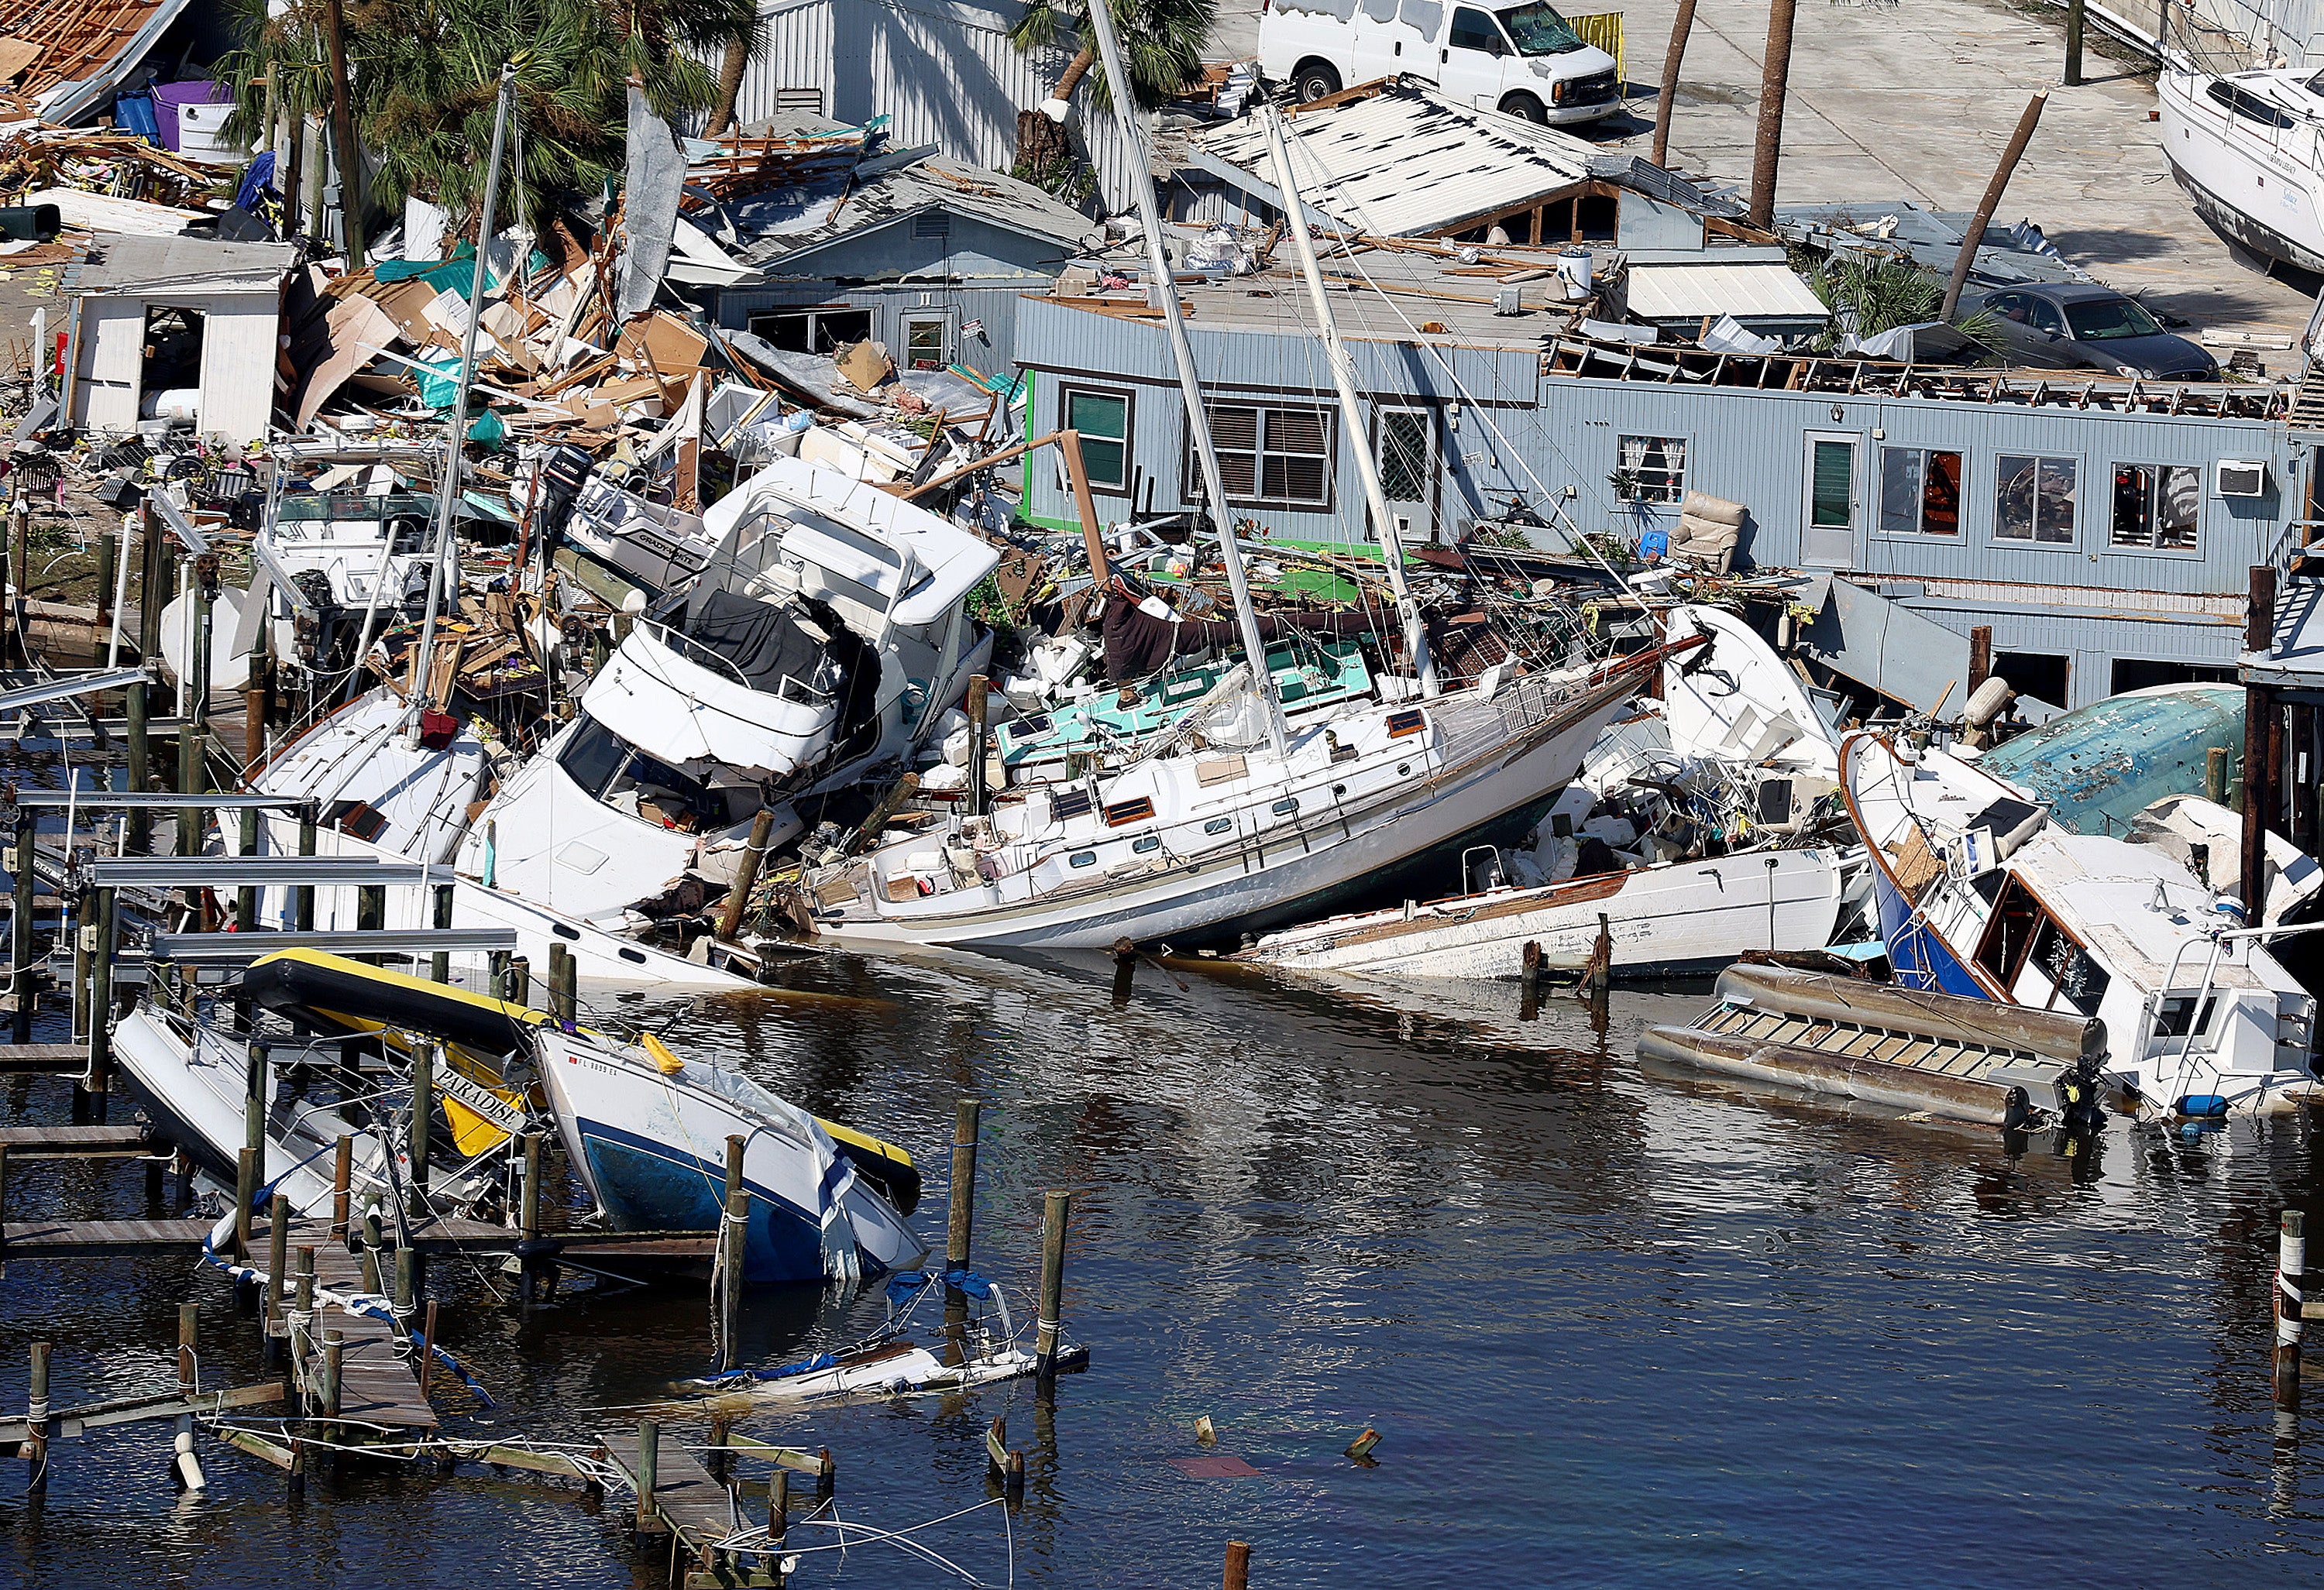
x=2063, y=326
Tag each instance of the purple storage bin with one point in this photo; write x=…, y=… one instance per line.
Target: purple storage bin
x=168, y=96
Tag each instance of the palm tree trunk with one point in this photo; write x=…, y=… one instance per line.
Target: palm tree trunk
x=1775, y=78
x=1075, y=70
x=731, y=67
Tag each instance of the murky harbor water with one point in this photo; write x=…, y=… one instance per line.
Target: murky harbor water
x=1613, y=1326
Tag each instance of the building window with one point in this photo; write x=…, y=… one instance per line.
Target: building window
x=2139, y=673
x=1281, y=457
x=1403, y=454
x=2033, y=500
x=1920, y=491
x=1651, y=469
x=2157, y=505
x=924, y=342
x=1103, y=420
x=2045, y=676
x=1831, y=485
x=811, y=331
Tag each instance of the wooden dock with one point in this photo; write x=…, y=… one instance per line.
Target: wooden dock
x=689, y=1504
x=130, y=1142
x=44, y=1059
x=102, y=1239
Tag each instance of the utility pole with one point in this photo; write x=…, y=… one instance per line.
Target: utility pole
x=2026, y=122
x=2073, y=43
x=344, y=155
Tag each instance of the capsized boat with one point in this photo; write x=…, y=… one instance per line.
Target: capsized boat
x=1211, y=831
x=824, y=638
x=1676, y=919
x=333, y=993
x=1938, y=1055
x=647, y=1132
x=193, y=1081
x=1978, y=897
x=888, y=1364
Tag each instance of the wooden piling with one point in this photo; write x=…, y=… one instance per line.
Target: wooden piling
x=334, y=1352
x=2215, y=775
x=1238, y=1565
x=496, y=973
x=245, y=899
x=278, y=1259
x=108, y=559
x=961, y=1215
x=140, y=755
x=778, y=1505
x=302, y=895
x=423, y=1109
x=406, y=1274
x=343, y=1167
x=746, y=876
x=979, y=689
x=190, y=1331
x=1966, y=255
x=564, y=984
x=520, y=981
x=36, y=1414
x=83, y=951
x=439, y=965
x=2291, y=1288
x=1053, y=1283
x=100, y=994
x=733, y=1236
x=4, y=1209
x=649, y=1473
x=190, y=780
x=26, y=883
x=246, y=1188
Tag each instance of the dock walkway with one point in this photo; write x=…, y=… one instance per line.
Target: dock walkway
x=696, y=1508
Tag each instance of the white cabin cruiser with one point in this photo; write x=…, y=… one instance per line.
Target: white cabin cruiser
x=2244, y=146
x=822, y=640
x=1980, y=897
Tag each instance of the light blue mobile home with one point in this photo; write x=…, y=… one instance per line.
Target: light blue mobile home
x=2102, y=532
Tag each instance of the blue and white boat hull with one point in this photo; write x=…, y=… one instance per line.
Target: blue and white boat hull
x=652, y=1148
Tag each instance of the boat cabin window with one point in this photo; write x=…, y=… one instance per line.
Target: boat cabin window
x=617, y=773
x=2176, y=1017
x=2034, y=960
x=2251, y=107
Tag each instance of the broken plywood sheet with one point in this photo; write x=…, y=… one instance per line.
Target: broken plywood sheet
x=356, y=326
x=664, y=344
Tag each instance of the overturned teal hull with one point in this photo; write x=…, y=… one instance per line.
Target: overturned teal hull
x=2098, y=768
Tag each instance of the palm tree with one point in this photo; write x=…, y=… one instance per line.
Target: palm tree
x=423, y=75
x=1162, y=49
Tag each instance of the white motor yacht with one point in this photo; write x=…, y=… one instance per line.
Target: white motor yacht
x=819, y=642
x=2244, y=146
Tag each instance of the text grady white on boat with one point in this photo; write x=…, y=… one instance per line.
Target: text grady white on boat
x=1978, y=897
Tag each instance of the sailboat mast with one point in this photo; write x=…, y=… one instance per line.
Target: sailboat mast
x=455, y=431
x=1343, y=377
x=1198, y=419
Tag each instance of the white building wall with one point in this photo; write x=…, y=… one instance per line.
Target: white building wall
x=237, y=375
x=943, y=71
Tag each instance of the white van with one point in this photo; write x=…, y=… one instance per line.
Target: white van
x=1525, y=60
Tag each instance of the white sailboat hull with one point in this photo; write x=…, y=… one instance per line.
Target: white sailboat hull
x=1681, y=918
x=1213, y=890
x=2254, y=181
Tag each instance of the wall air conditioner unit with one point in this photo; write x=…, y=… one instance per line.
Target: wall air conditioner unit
x=2242, y=477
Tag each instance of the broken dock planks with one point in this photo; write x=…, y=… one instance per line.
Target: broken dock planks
x=101, y=1239
x=677, y=1496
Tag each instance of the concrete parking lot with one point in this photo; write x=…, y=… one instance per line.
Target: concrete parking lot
x=1915, y=101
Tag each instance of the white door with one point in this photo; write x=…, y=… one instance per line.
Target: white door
x=1833, y=498
x=1470, y=60
x=1403, y=444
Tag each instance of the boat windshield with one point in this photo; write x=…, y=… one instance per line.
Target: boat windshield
x=2099, y=321
x=1536, y=28
x=612, y=770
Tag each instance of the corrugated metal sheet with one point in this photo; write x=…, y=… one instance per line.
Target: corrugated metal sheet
x=1689, y=292
x=943, y=71
x=1408, y=162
